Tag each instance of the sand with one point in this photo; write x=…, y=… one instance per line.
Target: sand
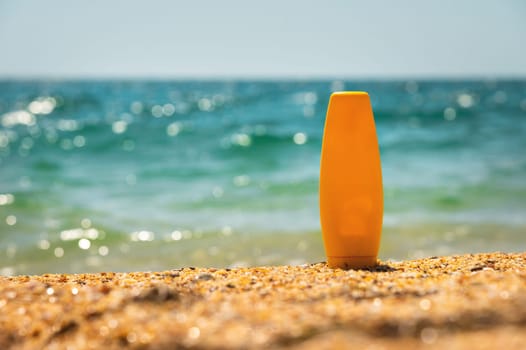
x=457, y=302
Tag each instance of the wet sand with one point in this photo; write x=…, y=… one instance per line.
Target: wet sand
x=457, y=302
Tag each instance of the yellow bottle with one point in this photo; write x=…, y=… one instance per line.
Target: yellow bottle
x=351, y=197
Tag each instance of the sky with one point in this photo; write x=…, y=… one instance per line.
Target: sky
x=262, y=39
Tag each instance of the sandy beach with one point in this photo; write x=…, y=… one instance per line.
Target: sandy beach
x=455, y=302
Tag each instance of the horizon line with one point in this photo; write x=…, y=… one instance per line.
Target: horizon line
x=171, y=77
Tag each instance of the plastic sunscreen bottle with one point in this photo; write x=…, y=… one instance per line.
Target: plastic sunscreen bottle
x=351, y=197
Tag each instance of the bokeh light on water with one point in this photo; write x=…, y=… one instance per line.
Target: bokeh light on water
x=154, y=175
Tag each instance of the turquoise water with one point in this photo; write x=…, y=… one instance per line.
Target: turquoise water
x=133, y=175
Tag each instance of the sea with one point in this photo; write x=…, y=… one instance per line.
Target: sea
x=150, y=175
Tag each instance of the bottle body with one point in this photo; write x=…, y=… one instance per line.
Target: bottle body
x=351, y=195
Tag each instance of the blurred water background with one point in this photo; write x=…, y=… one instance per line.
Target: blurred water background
x=138, y=175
